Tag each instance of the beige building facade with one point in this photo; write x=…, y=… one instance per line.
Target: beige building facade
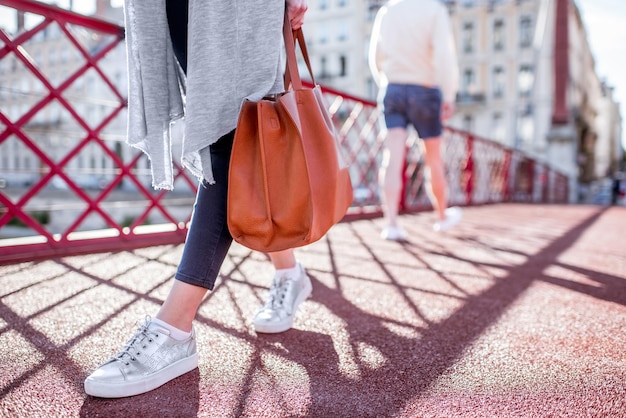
x=527, y=77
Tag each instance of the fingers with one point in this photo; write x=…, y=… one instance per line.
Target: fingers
x=295, y=11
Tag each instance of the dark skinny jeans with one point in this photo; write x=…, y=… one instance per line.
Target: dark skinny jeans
x=208, y=239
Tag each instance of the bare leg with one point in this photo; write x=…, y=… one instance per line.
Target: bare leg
x=181, y=305
x=283, y=259
x=390, y=173
x=436, y=186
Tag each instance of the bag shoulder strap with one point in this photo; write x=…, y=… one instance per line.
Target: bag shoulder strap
x=292, y=75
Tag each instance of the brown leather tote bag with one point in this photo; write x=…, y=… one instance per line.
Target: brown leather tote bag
x=288, y=183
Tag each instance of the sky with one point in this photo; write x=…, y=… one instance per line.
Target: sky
x=605, y=21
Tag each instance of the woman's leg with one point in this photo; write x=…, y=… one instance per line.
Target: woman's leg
x=181, y=305
x=208, y=239
x=283, y=259
x=206, y=246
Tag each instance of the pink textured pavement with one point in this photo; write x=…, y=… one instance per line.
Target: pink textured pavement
x=518, y=312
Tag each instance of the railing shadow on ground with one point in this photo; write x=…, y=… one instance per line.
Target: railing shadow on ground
x=373, y=361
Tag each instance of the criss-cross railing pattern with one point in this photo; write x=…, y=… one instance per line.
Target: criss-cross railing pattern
x=90, y=192
x=90, y=41
x=15, y=47
x=359, y=134
x=479, y=171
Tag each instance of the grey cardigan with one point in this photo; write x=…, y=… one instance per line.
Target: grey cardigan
x=234, y=53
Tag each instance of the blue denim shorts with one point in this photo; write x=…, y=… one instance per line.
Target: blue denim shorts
x=409, y=104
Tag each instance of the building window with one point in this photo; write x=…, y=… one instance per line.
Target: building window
x=498, y=35
x=372, y=10
x=324, y=69
x=25, y=87
x=323, y=33
x=323, y=4
x=55, y=113
x=525, y=32
x=117, y=80
x=525, y=80
x=468, y=37
x=469, y=3
x=343, y=31
x=90, y=112
x=342, y=3
x=37, y=56
x=499, y=82
x=469, y=81
x=90, y=84
x=499, y=129
x=342, y=66
x=65, y=55
x=372, y=88
x=525, y=128
x=52, y=56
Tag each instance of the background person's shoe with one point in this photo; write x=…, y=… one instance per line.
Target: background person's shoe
x=150, y=359
x=285, y=296
x=453, y=217
x=394, y=233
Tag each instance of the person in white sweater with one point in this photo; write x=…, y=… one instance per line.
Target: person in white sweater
x=413, y=60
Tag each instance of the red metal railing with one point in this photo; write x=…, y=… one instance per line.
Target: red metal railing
x=72, y=186
x=479, y=170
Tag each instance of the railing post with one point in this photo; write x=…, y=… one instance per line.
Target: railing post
x=506, y=167
x=543, y=178
x=468, y=170
x=532, y=178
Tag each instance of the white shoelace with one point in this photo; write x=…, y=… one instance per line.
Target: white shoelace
x=278, y=291
x=131, y=349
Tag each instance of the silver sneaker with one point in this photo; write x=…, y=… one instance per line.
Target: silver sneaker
x=150, y=359
x=285, y=296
